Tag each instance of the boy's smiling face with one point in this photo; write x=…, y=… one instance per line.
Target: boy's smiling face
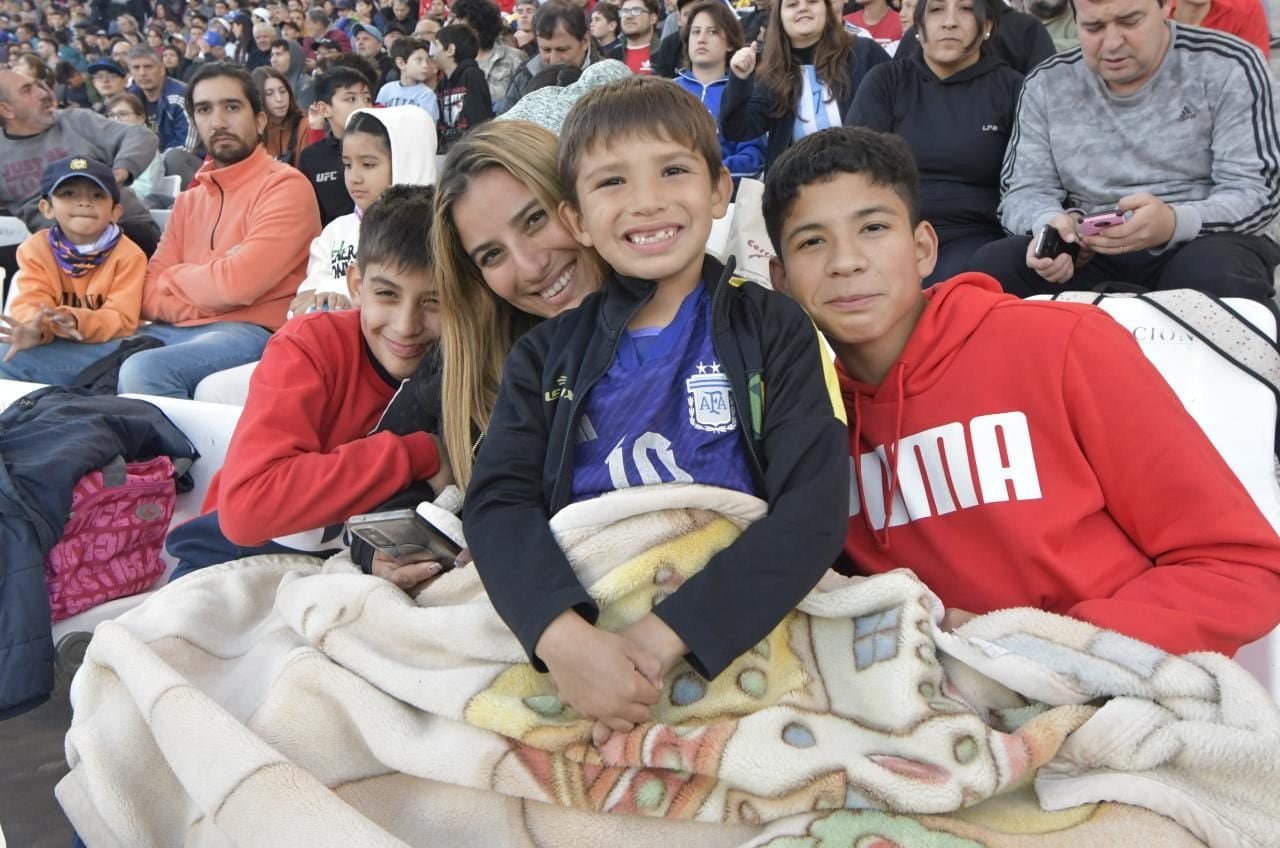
x=399, y=314
x=850, y=256
x=82, y=209
x=646, y=204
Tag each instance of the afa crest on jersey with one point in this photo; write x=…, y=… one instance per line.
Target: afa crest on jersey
x=710, y=399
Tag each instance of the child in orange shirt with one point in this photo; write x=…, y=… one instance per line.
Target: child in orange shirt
x=81, y=279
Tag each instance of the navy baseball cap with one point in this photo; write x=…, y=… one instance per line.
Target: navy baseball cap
x=82, y=167
x=109, y=67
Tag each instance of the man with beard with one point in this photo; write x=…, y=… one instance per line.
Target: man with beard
x=34, y=134
x=1058, y=20
x=234, y=251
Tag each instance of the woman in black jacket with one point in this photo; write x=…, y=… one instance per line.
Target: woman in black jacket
x=808, y=75
x=955, y=104
x=1019, y=39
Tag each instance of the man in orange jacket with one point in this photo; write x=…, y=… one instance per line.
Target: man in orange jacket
x=230, y=259
x=234, y=250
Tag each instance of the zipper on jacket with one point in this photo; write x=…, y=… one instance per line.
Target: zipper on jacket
x=737, y=402
x=577, y=400
x=221, y=203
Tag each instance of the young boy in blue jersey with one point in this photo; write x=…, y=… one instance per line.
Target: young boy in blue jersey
x=673, y=372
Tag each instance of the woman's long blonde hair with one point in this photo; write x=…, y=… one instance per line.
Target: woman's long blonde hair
x=479, y=328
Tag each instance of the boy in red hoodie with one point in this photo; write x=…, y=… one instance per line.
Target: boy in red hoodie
x=328, y=430
x=1028, y=452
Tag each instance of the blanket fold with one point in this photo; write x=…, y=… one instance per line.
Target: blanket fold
x=273, y=701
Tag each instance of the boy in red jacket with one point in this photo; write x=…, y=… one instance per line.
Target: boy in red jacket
x=320, y=438
x=1027, y=452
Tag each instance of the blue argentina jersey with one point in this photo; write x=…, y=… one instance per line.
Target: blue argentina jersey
x=663, y=413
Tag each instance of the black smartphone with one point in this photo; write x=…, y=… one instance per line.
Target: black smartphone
x=401, y=533
x=1050, y=245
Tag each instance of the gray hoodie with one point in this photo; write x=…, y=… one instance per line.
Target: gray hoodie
x=298, y=78
x=74, y=132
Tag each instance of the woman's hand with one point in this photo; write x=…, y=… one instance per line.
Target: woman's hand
x=412, y=574
x=743, y=63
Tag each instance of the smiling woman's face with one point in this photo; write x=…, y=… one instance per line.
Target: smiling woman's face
x=525, y=254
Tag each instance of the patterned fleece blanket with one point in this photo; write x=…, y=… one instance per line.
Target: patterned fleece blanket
x=279, y=701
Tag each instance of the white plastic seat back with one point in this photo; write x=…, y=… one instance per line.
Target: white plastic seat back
x=12, y=231
x=168, y=186
x=1236, y=411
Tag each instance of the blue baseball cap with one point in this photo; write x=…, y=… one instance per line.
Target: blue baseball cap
x=109, y=67
x=81, y=167
x=372, y=30
x=213, y=39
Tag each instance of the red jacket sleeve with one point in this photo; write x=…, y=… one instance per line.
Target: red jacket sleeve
x=278, y=479
x=1215, y=584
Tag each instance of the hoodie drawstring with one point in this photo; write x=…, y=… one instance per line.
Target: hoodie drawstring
x=881, y=536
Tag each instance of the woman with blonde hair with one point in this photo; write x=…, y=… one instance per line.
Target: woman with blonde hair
x=504, y=262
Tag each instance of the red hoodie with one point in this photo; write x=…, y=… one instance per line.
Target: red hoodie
x=302, y=455
x=1042, y=461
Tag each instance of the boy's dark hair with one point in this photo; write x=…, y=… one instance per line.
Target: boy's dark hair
x=64, y=72
x=281, y=43
x=366, y=69
x=224, y=69
x=483, y=16
x=569, y=15
x=725, y=19
x=883, y=159
x=462, y=38
x=364, y=122
x=338, y=77
x=556, y=76
x=610, y=13
x=406, y=47
x=636, y=106
x=396, y=230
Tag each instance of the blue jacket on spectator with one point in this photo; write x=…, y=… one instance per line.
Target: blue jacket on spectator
x=742, y=158
x=49, y=439
x=172, y=124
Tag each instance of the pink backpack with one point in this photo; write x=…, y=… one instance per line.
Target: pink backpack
x=113, y=538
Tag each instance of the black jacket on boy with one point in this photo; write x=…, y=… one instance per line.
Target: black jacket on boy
x=746, y=103
x=464, y=103
x=322, y=164
x=796, y=448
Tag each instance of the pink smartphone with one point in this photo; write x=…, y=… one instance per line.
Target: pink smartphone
x=1091, y=225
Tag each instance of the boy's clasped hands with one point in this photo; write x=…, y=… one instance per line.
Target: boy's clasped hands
x=613, y=678
x=24, y=335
